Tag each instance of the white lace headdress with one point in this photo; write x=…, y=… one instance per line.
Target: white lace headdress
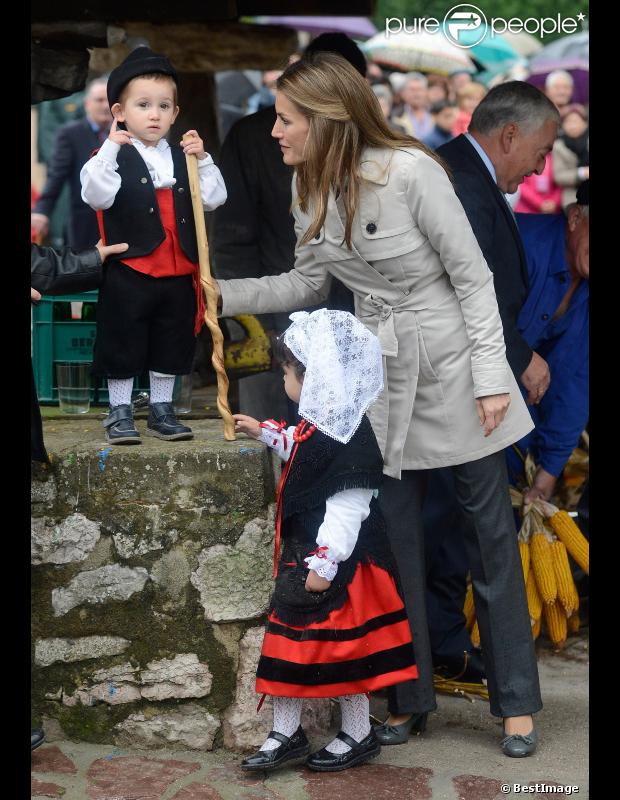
x=344, y=369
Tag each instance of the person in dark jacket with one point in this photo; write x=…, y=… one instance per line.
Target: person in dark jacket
x=57, y=272
x=75, y=143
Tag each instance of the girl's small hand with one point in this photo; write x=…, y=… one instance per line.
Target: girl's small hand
x=314, y=582
x=194, y=145
x=117, y=136
x=248, y=425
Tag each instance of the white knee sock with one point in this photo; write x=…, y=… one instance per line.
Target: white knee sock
x=162, y=387
x=119, y=390
x=286, y=719
x=355, y=714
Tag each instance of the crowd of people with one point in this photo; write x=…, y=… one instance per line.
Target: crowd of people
x=440, y=327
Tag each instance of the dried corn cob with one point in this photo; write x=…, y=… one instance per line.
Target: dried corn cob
x=573, y=622
x=555, y=622
x=567, y=592
x=542, y=566
x=468, y=607
x=475, y=635
x=536, y=628
x=524, y=551
x=534, y=602
x=574, y=540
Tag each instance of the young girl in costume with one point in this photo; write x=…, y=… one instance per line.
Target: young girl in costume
x=150, y=305
x=337, y=624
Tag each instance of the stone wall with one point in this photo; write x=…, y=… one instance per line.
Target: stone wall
x=151, y=576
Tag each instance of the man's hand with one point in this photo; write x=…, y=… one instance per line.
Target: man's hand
x=194, y=146
x=40, y=224
x=492, y=410
x=108, y=250
x=248, y=425
x=314, y=582
x=118, y=136
x=34, y=295
x=544, y=484
x=536, y=379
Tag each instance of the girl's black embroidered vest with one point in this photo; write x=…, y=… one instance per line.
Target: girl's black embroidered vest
x=134, y=215
x=321, y=468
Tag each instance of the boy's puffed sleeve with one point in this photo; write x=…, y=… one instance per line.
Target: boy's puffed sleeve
x=99, y=177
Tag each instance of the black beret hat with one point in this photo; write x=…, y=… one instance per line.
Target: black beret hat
x=141, y=61
x=583, y=193
x=341, y=44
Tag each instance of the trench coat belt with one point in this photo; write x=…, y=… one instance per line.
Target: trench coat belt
x=434, y=293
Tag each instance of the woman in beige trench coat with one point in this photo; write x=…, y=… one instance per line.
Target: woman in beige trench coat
x=377, y=211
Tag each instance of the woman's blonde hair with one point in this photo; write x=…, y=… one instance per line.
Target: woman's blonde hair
x=345, y=116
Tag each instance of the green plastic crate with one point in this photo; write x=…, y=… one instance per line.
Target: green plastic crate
x=59, y=340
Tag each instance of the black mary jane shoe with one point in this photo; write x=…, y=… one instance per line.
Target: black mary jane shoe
x=294, y=746
x=163, y=423
x=399, y=734
x=324, y=761
x=119, y=426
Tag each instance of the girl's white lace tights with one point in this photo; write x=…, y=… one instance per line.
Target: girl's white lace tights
x=354, y=710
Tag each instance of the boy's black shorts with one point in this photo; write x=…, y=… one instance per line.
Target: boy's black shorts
x=144, y=323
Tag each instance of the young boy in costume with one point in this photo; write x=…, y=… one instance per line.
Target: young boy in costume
x=150, y=306
x=337, y=624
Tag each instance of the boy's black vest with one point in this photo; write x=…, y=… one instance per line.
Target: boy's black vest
x=134, y=216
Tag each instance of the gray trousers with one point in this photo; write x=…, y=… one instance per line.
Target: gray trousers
x=497, y=577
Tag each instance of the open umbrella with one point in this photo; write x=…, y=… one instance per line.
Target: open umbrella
x=493, y=52
x=356, y=27
x=422, y=51
x=570, y=53
x=523, y=43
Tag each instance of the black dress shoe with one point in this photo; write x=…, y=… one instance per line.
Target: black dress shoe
x=399, y=734
x=163, y=424
x=291, y=747
x=37, y=737
x=324, y=761
x=119, y=426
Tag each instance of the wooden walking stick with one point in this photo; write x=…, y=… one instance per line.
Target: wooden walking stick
x=217, y=359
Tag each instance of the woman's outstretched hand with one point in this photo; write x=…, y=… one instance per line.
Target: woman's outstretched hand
x=492, y=410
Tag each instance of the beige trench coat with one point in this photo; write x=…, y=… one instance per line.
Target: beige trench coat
x=421, y=284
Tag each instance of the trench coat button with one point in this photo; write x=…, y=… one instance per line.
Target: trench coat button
x=142, y=180
x=182, y=221
x=181, y=190
x=545, y=317
x=151, y=210
x=371, y=227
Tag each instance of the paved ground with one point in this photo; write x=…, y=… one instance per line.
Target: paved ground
x=458, y=758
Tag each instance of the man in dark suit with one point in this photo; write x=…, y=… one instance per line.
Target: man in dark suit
x=75, y=143
x=511, y=132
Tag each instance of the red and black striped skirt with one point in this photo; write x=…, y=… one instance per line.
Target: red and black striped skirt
x=363, y=646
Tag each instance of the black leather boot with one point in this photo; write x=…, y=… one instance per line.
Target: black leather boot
x=119, y=426
x=163, y=423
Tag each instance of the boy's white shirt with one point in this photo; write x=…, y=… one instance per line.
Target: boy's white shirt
x=344, y=512
x=101, y=181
